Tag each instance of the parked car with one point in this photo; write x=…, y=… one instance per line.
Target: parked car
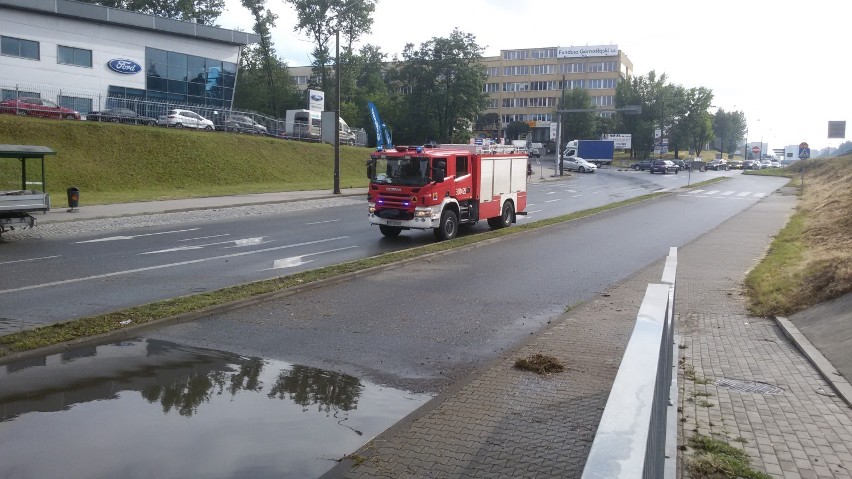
x=681, y=165
x=244, y=124
x=776, y=164
x=642, y=165
x=765, y=164
x=120, y=115
x=663, y=166
x=735, y=165
x=696, y=164
x=37, y=107
x=751, y=165
x=185, y=119
x=717, y=165
x=579, y=165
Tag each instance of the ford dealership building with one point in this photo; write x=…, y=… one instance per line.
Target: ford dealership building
x=89, y=57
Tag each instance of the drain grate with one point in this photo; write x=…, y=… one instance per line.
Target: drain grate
x=749, y=386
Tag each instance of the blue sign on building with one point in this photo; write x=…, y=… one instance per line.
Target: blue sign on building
x=125, y=67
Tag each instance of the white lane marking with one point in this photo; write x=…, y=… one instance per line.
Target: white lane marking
x=744, y=193
x=118, y=238
x=163, y=266
x=698, y=191
x=249, y=241
x=727, y=193
x=322, y=222
x=206, y=237
x=31, y=259
x=576, y=196
x=551, y=201
x=759, y=195
x=713, y=192
x=236, y=244
x=551, y=192
x=294, y=261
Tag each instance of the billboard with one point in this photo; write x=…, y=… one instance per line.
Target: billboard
x=316, y=100
x=587, y=51
x=837, y=129
x=623, y=141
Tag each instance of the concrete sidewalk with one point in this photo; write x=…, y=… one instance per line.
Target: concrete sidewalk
x=746, y=383
x=85, y=212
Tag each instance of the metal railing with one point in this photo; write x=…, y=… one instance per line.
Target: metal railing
x=637, y=434
x=85, y=101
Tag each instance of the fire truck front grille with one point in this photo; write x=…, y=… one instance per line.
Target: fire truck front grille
x=395, y=214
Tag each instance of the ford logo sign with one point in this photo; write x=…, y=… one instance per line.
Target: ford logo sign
x=126, y=67
x=316, y=97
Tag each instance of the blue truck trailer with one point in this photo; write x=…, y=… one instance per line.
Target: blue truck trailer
x=599, y=152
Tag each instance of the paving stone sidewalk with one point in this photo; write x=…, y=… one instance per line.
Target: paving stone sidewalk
x=504, y=422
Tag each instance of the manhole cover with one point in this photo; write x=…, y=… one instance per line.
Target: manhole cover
x=749, y=386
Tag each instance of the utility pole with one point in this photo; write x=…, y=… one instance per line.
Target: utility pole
x=337, y=112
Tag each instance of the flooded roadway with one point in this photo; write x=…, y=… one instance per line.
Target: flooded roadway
x=151, y=408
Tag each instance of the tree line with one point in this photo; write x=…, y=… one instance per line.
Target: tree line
x=435, y=91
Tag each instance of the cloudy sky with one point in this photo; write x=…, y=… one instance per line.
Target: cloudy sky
x=786, y=65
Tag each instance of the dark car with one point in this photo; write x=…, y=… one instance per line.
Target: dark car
x=244, y=124
x=642, y=165
x=681, y=165
x=717, y=165
x=121, y=115
x=37, y=107
x=696, y=165
x=663, y=166
x=751, y=165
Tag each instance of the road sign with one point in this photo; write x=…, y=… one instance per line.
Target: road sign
x=837, y=129
x=804, y=151
x=755, y=149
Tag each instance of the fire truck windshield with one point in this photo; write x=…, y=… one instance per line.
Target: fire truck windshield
x=401, y=171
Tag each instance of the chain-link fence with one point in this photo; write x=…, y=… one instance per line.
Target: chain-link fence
x=87, y=101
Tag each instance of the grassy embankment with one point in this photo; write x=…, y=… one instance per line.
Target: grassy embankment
x=122, y=163
x=810, y=260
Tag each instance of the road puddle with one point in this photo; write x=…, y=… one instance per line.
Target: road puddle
x=149, y=408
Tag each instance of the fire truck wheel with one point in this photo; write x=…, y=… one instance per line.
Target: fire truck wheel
x=390, y=231
x=449, y=226
x=508, y=215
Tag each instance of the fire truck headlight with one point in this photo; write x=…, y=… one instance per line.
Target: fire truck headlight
x=372, y=209
x=422, y=213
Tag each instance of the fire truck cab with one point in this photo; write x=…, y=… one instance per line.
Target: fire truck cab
x=440, y=188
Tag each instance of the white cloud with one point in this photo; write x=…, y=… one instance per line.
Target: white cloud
x=785, y=65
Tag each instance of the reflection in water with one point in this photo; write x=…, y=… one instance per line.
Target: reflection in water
x=217, y=414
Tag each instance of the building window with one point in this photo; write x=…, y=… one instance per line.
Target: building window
x=9, y=94
x=74, y=56
x=516, y=55
x=492, y=71
x=572, y=68
x=491, y=103
x=601, y=84
x=18, y=47
x=300, y=80
x=82, y=105
x=492, y=87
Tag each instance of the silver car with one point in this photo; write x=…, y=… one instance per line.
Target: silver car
x=185, y=119
x=579, y=165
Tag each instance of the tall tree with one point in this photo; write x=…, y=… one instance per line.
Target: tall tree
x=444, y=79
x=264, y=21
x=729, y=127
x=321, y=20
x=698, y=122
x=577, y=125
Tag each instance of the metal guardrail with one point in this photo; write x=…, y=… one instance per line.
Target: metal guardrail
x=637, y=434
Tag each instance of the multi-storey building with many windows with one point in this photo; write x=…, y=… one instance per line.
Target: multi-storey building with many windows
x=526, y=85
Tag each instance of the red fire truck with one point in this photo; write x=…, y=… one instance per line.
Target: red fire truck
x=440, y=188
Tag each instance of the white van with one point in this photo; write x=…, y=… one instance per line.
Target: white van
x=347, y=136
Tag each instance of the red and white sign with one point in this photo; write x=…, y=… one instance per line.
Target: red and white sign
x=755, y=149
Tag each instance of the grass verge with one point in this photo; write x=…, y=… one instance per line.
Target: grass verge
x=94, y=325
x=810, y=260
x=718, y=460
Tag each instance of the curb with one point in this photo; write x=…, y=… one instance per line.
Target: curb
x=825, y=368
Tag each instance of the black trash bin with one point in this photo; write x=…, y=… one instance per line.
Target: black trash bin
x=73, y=197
